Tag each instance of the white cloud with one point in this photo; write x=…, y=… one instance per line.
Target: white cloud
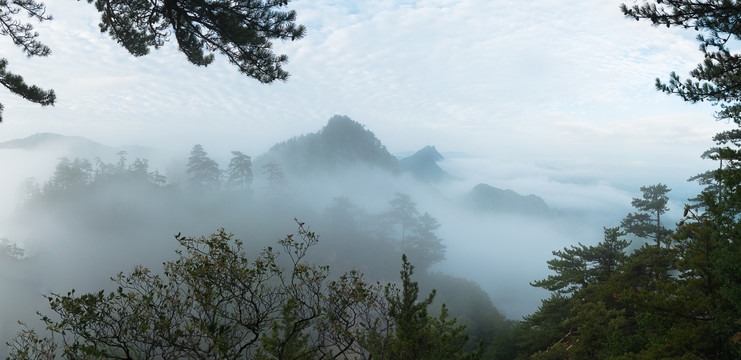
x=567, y=85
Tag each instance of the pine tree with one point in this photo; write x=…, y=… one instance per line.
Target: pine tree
x=203, y=172
x=70, y=175
x=422, y=245
x=239, y=172
x=241, y=31
x=403, y=212
x=709, y=241
x=416, y=335
x=716, y=79
x=577, y=267
x=24, y=37
x=647, y=222
x=274, y=174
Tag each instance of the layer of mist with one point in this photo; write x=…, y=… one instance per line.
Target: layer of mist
x=341, y=181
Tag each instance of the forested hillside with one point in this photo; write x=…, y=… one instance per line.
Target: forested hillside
x=122, y=211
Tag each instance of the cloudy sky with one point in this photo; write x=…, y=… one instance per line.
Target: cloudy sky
x=562, y=86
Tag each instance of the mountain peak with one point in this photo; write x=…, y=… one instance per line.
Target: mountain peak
x=72, y=146
x=423, y=165
x=429, y=153
x=487, y=198
x=340, y=122
x=48, y=139
x=33, y=141
x=341, y=142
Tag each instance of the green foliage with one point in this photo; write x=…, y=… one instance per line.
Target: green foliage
x=203, y=172
x=410, y=315
x=543, y=328
x=417, y=239
x=472, y=307
x=647, y=222
x=214, y=301
x=424, y=247
x=77, y=178
x=582, y=318
x=18, y=86
x=273, y=173
x=23, y=36
x=287, y=339
x=70, y=175
x=403, y=212
x=351, y=240
x=241, y=31
x=579, y=266
x=693, y=317
x=656, y=302
x=715, y=79
x=416, y=334
x=239, y=172
x=701, y=306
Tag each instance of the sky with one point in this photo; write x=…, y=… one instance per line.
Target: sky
x=558, y=83
x=553, y=89
x=544, y=94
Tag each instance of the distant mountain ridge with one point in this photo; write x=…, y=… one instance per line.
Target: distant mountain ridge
x=487, y=198
x=38, y=140
x=342, y=142
x=72, y=146
x=423, y=165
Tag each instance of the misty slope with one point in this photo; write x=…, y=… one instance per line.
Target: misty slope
x=41, y=140
x=484, y=197
x=73, y=146
x=120, y=217
x=340, y=143
x=423, y=165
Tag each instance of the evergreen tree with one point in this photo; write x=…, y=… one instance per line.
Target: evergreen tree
x=274, y=174
x=577, y=267
x=241, y=31
x=422, y=245
x=543, y=328
x=716, y=79
x=416, y=335
x=646, y=222
x=24, y=37
x=70, y=175
x=203, y=172
x=710, y=241
x=582, y=318
x=403, y=212
x=287, y=338
x=239, y=172
x=139, y=168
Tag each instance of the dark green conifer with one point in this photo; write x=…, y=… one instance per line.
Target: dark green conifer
x=242, y=31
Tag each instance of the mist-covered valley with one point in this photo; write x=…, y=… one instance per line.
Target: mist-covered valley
x=77, y=212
